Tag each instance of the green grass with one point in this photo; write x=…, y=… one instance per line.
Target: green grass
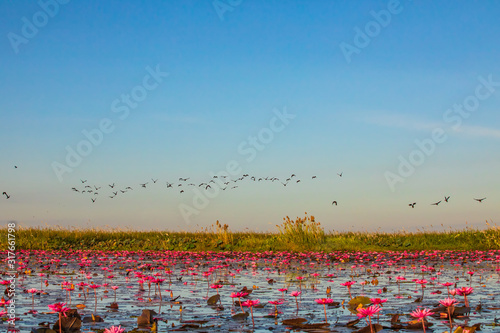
x=303, y=234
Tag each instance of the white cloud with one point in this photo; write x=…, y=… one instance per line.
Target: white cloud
x=176, y=119
x=411, y=123
x=478, y=131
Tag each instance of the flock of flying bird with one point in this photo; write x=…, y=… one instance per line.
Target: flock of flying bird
x=221, y=181
x=446, y=198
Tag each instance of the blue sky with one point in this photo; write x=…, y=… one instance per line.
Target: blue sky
x=224, y=70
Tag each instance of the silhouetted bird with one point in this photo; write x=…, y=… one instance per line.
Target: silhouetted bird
x=6, y=195
x=154, y=181
x=313, y=177
x=436, y=203
x=93, y=200
x=412, y=205
x=480, y=199
x=340, y=174
x=446, y=198
x=83, y=181
x=334, y=203
x=112, y=185
x=144, y=185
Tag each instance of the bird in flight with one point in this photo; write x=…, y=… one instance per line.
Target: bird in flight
x=6, y=195
x=313, y=177
x=154, y=181
x=83, y=181
x=436, y=203
x=112, y=185
x=93, y=200
x=446, y=198
x=479, y=200
x=334, y=203
x=74, y=189
x=15, y=166
x=143, y=185
x=340, y=174
x=412, y=205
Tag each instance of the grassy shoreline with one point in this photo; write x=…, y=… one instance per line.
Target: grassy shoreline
x=221, y=239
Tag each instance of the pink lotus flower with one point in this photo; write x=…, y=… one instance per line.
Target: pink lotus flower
x=464, y=291
x=324, y=301
x=378, y=301
x=449, y=303
x=421, y=314
x=114, y=288
x=61, y=309
x=114, y=329
x=368, y=312
x=283, y=291
x=239, y=295
x=447, y=285
x=32, y=291
x=296, y=294
x=251, y=304
x=348, y=284
x=276, y=303
x=216, y=286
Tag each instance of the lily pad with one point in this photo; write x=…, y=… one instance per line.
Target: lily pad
x=240, y=316
x=213, y=299
x=294, y=321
